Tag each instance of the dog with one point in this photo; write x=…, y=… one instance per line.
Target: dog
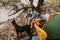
x=20, y=29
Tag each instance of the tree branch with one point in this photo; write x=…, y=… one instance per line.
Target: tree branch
x=25, y=9
x=31, y=3
x=40, y=3
x=27, y=1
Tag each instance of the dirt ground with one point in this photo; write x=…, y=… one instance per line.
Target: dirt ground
x=7, y=30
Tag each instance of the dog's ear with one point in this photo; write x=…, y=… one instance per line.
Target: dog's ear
x=13, y=21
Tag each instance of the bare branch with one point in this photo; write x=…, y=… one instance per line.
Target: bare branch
x=31, y=3
x=25, y=9
x=40, y=3
x=27, y=2
x=21, y=3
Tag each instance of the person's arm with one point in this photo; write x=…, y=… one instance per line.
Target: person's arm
x=33, y=15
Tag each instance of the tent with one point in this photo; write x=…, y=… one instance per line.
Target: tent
x=52, y=28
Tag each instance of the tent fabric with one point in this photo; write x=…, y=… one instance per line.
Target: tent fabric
x=52, y=28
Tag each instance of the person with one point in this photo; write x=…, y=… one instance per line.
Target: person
x=31, y=14
x=34, y=37
x=44, y=17
x=38, y=19
x=28, y=15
